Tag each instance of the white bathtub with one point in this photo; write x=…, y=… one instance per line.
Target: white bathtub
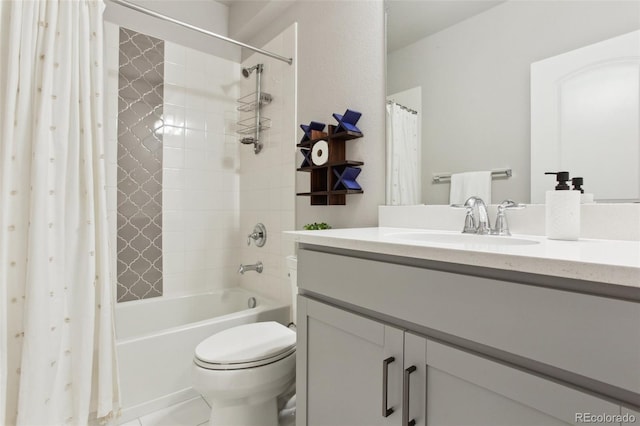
x=156, y=339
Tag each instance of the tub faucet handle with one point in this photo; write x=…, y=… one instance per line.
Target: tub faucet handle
x=502, y=226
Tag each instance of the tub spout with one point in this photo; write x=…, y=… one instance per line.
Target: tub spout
x=256, y=267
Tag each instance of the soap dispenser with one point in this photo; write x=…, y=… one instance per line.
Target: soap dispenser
x=577, y=183
x=562, y=210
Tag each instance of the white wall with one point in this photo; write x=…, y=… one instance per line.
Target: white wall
x=475, y=80
x=267, y=180
x=340, y=65
x=206, y=14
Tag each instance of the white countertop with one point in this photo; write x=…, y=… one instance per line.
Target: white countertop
x=606, y=261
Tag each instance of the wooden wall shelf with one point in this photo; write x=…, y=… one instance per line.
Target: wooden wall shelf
x=323, y=179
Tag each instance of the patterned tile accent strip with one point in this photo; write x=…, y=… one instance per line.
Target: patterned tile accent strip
x=140, y=107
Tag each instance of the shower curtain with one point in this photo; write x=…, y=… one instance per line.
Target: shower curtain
x=403, y=157
x=57, y=348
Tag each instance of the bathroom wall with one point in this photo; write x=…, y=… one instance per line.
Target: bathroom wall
x=267, y=180
x=341, y=64
x=201, y=165
x=476, y=73
x=206, y=14
x=200, y=205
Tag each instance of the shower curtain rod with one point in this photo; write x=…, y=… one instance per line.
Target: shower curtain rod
x=412, y=111
x=200, y=30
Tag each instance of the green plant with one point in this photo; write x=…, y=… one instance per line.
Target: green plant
x=316, y=226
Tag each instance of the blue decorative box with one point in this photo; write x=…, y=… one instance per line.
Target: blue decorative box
x=347, y=121
x=307, y=129
x=347, y=178
x=307, y=158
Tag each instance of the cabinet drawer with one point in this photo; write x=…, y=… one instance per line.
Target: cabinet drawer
x=593, y=336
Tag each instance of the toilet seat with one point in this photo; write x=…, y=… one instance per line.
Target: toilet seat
x=246, y=346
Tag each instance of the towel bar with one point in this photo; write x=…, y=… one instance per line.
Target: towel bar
x=446, y=177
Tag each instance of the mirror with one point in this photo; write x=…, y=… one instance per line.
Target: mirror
x=465, y=68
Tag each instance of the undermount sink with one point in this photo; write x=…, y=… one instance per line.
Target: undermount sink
x=467, y=239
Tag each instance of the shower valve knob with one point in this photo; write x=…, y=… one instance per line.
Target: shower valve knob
x=259, y=235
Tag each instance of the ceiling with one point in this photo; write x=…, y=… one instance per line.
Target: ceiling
x=407, y=20
x=411, y=20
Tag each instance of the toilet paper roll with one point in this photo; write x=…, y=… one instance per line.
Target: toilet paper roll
x=320, y=153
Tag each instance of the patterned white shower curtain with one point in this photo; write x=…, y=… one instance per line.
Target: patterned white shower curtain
x=57, y=344
x=403, y=169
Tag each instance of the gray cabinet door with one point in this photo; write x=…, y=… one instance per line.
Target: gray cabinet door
x=466, y=389
x=340, y=368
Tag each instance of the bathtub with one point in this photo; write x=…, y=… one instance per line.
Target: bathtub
x=156, y=339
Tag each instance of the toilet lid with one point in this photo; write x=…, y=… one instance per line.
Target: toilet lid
x=246, y=346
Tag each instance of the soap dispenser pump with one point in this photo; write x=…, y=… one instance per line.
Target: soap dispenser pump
x=585, y=198
x=562, y=210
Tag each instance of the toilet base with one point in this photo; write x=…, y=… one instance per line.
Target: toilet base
x=260, y=414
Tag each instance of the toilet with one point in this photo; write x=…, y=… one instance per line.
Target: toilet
x=242, y=370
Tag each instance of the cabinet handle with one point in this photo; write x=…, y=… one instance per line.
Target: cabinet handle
x=385, y=386
x=405, y=398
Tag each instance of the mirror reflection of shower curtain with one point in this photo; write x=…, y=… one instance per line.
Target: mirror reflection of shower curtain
x=403, y=171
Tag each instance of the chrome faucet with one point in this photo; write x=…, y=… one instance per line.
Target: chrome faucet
x=477, y=219
x=256, y=267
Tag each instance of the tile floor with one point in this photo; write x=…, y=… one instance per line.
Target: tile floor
x=194, y=412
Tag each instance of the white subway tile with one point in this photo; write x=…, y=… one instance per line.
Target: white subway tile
x=170, y=140
x=195, y=159
x=172, y=178
x=195, y=281
x=172, y=199
x=173, y=220
x=196, y=179
x=174, y=95
x=197, y=79
x=172, y=157
x=174, y=74
x=195, y=139
x=173, y=115
x=215, y=123
x=196, y=99
x=173, y=262
x=195, y=240
x=195, y=260
x=174, y=53
x=196, y=60
x=173, y=241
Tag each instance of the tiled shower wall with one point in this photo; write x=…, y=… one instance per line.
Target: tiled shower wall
x=267, y=180
x=200, y=174
x=140, y=94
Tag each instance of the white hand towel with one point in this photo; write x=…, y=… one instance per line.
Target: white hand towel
x=465, y=185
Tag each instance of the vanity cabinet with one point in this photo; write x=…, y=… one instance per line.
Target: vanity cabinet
x=466, y=349
x=457, y=387
x=344, y=358
x=360, y=371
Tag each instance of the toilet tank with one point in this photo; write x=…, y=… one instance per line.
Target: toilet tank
x=292, y=265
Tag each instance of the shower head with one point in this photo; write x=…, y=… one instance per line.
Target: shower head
x=246, y=72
